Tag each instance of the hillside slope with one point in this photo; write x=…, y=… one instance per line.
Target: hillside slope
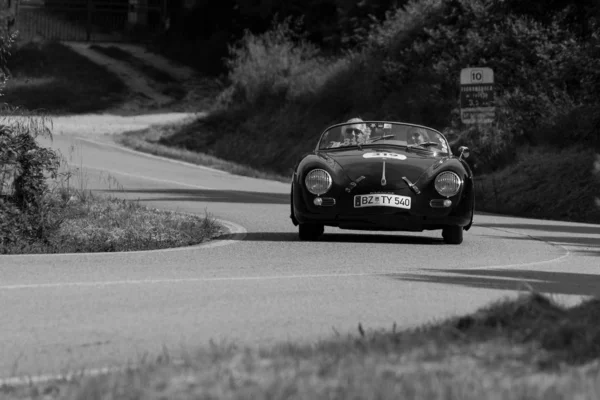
x=283, y=92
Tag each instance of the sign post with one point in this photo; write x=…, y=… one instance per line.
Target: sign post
x=477, y=95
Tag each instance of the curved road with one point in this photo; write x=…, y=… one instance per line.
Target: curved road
x=65, y=312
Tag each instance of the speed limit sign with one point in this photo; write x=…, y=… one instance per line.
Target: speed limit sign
x=477, y=95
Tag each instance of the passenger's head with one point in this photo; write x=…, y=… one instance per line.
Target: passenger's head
x=418, y=135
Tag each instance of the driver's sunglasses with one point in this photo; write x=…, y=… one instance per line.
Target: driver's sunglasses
x=354, y=130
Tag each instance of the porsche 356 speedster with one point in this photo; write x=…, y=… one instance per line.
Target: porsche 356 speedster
x=383, y=176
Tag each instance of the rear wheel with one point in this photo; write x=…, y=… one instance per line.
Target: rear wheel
x=310, y=231
x=453, y=234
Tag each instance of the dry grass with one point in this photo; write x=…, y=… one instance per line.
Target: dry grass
x=524, y=348
x=85, y=222
x=544, y=183
x=148, y=141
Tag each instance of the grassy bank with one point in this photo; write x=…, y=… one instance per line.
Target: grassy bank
x=45, y=206
x=78, y=221
x=149, y=141
x=51, y=78
x=164, y=82
x=524, y=348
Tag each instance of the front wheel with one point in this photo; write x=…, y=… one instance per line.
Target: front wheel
x=310, y=231
x=453, y=234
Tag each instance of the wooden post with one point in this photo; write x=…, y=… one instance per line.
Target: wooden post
x=88, y=26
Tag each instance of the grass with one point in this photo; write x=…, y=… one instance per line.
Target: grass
x=544, y=183
x=148, y=141
x=524, y=348
x=53, y=78
x=168, y=85
x=90, y=223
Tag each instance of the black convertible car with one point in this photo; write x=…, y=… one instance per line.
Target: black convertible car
x=387, y=176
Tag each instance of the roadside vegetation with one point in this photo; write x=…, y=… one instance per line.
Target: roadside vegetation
x=45, y=206
x=285, y=86
x=147, y=141
x=51, y=79
x=525, y=348
x=166, y=84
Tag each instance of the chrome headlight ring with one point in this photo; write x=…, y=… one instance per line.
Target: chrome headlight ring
x=448, y=183
x=318, y=181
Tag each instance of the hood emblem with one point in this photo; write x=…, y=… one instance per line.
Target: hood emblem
x=352, y=185
x=383, y=180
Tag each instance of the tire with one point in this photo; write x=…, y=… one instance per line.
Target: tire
x=453, y=234
x=310, y=232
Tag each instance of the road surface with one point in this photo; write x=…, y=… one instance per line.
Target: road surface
x=74, y=311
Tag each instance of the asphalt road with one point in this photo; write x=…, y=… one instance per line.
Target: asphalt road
x=262, y=285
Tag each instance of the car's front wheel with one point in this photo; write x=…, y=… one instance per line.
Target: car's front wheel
x=310, y=231
x=453, y=234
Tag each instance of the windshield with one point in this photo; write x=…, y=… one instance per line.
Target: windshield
x=389, y=133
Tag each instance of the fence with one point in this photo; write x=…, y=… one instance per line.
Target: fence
x=90, y=20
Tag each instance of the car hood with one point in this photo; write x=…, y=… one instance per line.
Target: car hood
x=398, y=163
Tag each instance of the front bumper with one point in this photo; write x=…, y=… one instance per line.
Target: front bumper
x=422, y=216
x=383, y=221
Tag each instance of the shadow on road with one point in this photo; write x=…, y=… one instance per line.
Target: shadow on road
x=546, y=228
x=224, y=196
x=343, y=238
x=578, y=244
x=569, y=283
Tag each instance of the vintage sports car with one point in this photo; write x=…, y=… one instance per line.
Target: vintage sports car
x=384, y=176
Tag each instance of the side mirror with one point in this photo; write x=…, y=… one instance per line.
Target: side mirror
x=464, y=152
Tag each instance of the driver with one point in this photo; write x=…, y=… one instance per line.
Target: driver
x=355, y=133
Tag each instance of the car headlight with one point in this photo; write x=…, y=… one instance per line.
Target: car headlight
x=447, y=183
x=318, y=181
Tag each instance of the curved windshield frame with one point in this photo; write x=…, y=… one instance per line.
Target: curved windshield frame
x=373, y=133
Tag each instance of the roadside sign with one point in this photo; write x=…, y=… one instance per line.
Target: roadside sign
x=477, y=95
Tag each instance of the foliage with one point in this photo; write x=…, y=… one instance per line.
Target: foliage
x=201, y=36
x=278, y=65
x=407, y=68
x=7, y=40
x=24, y=170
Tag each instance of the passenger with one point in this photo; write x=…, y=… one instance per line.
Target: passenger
x=418, y=136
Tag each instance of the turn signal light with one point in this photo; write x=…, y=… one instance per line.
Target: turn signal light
x=440, y=203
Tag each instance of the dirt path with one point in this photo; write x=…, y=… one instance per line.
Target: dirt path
x=137, y=82
x=144, y=95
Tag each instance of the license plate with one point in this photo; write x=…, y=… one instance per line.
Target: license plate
x=379, y=200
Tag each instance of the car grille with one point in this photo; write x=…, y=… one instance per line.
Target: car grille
x=328, y=201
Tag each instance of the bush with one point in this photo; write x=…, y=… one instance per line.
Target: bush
x=24, y=170
x=278, y=65
x=547, y=76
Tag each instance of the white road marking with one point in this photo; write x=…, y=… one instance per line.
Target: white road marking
x=67, y=377
x=112, y=171
x=566, y=254
x=248, y=278
x=139, y=153
x=509, y=266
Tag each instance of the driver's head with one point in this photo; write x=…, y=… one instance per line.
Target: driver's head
x=418, y=135
x=356, y=130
